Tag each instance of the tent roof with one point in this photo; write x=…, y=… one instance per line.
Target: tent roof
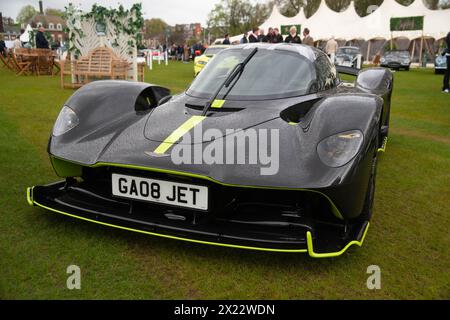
x=347, y=24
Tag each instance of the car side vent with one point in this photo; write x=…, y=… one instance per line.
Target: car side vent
x=295, y=113
x=151, y=97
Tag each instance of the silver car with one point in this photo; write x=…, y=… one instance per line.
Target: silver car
x=440, y=64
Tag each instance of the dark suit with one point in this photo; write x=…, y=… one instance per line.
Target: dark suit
x=41, y=42
x=262, y=38
x=252, y=38
x=447, y=72
x=291, y=39
x=278, y=38
x=2, y=47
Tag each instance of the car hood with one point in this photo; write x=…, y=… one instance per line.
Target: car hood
x=345, y=57
x=394, y=59
x=133, y=138
x=235, y=115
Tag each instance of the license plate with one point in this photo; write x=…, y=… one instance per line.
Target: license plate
x=160, y=191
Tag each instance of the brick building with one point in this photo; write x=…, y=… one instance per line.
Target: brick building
x=55, y=25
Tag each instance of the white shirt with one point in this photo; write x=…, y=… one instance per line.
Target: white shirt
x=17, y=44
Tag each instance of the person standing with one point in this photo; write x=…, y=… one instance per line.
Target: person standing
x=277, y=37
x=41, y=41
x=186, y=50
x=307, y=39
x=270, y=36
x=446, y=87
x=293, y=37
x=180, y=51
x=254, y=36
x=244, y=38
x=262, y=37
x=331, y=48
x=17, y=44
x=227, y=39
x=3, y=49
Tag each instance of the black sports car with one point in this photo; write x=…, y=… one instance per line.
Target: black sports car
x=396, y=60
x=117, y=145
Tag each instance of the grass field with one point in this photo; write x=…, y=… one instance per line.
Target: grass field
x=409, y=238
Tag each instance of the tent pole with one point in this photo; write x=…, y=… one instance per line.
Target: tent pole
x=368, y=51
x=413, y=50
x=427, y=46
x=421, y=50
x=391, y=41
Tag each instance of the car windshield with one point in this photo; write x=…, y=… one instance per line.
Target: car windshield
x=213, y=51
x=270, y=74
x=397, y=54
x=350, y=51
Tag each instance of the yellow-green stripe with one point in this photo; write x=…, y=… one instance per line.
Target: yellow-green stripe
x=178, y=133
x=217, y=104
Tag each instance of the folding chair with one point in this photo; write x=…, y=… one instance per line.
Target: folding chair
x=20, y=66
x=5, y=60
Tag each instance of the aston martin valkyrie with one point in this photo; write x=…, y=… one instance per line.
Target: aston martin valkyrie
x=114, y=146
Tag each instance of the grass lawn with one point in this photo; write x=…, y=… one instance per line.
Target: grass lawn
x=409, y=238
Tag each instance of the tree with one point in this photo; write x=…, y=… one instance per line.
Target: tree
x=366, y=7
x=444, y=4
x=405, y=2
x=155, y=28
x=177, y=36
x=311, y=7
x=236, y=16
x=338, y=5
x=26, y=13
x=290, y=8
x=54, y=12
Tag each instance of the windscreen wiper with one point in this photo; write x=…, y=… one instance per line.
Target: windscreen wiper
x=226, y=83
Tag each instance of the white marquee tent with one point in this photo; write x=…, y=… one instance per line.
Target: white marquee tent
x=348, y=25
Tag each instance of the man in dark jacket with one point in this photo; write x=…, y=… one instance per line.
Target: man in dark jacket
x=446, y=87
x=262, y=37
x=293, y=37
x=244, y=38
x=41, y=42
x=278, y=38
x=254, y=36
x=227, y=39
x=2, y=46
x=270, y=36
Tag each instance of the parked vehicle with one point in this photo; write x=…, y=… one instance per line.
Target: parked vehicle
x=349, y=57
x=396, y=60
x=112, y=146
x=440, y=64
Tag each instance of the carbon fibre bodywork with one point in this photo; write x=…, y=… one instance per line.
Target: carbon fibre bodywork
x=121, y=123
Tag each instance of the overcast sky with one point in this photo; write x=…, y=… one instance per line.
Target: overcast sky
x=171, y=11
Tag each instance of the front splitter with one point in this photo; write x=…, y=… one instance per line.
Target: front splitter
x=309, y=245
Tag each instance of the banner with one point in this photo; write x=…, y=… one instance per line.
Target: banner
x=285, y=29
x=407, y=23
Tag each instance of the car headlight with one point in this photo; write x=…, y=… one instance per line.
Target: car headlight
x=337, y=150
x=201, y=63
x=67, y=120
x=382, y=60
x=440, y=60
x=406, y=61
